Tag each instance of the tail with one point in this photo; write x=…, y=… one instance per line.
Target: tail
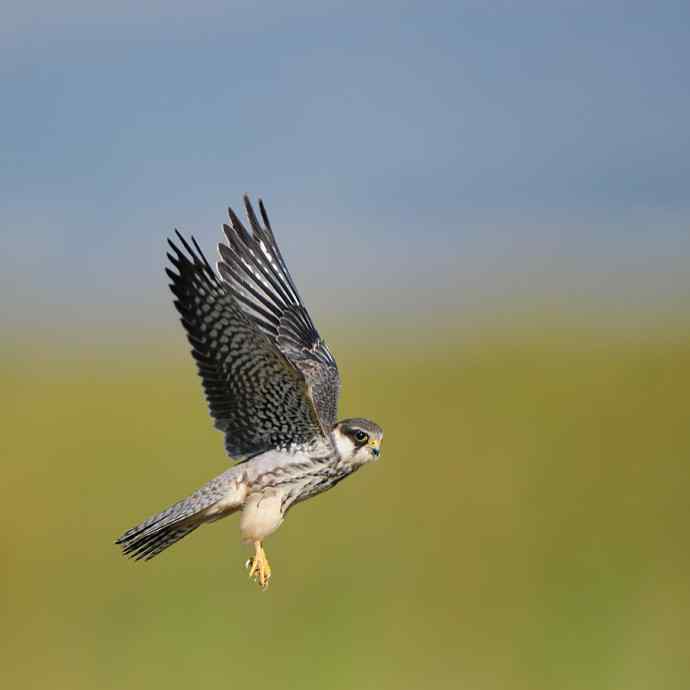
x=160, y=531
x=146, y=547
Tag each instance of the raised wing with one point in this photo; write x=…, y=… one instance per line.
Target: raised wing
x=255, y=395
x=257, y=276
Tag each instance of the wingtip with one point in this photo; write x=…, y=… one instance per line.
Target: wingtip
x=180, y=238
x=236, y=223
x=172, y=244
x=264, y=215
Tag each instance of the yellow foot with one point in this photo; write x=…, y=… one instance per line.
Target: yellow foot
x=258, y=566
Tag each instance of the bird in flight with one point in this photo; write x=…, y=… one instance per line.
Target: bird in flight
x=272, y=388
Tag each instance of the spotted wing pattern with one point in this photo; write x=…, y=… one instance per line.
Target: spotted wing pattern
x=255, y=395
x=253, y=268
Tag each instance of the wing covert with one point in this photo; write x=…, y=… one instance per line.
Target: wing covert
x=255, y=395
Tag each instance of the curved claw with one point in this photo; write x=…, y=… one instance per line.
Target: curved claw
x=258, y=567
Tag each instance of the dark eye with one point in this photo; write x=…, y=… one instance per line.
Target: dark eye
x=361, y=437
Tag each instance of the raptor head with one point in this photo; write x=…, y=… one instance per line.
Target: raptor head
x=358, y=440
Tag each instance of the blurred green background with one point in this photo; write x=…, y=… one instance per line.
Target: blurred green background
x=526, y=526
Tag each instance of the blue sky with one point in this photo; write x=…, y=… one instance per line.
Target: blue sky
x=435, y=153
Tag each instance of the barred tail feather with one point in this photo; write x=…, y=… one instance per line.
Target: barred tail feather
x=160, y=531
x=145, y=548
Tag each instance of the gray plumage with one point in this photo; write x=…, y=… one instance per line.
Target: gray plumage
x=272, y=388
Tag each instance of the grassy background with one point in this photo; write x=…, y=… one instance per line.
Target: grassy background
x=527, y=526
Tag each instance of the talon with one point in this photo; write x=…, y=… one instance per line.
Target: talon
x=259, y=569
x=248, y=563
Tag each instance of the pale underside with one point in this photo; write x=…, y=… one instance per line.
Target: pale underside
x=265, y=487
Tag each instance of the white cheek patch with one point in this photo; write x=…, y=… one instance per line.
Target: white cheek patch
x=344, y=445
x=364, y=455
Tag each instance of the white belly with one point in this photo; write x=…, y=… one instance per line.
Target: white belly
x=261, y=515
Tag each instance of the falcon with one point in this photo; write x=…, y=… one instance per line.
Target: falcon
x=272, y=388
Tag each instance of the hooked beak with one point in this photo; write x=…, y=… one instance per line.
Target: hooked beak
x=375, y=448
